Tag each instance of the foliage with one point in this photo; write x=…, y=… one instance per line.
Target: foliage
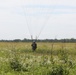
x=15, y=65
x=58, y=70
x=48, y=59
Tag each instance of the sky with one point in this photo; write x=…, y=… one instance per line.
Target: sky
x=42, y=19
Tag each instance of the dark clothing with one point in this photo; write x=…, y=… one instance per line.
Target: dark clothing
x=34, y=46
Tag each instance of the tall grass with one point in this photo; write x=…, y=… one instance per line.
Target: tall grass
x=48, y=59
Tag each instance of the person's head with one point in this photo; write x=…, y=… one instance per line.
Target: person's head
x=34, y=42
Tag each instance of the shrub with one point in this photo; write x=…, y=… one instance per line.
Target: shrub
x=15, y=65
x=58, y=70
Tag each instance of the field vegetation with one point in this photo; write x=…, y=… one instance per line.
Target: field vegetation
x=17, y=58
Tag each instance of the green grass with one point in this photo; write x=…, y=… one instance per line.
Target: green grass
x=48, y=59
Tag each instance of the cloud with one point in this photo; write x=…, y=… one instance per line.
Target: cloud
x=59, y=15
x=44, y=10
x=11, y=3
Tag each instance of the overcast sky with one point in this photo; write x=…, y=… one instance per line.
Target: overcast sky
x=45, y=19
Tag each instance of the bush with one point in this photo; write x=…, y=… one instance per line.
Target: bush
x=58, y=70
x=15, y=65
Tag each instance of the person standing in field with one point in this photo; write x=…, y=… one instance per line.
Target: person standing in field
x=34, y=46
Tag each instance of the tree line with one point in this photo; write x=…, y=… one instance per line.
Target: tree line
x=72, y=40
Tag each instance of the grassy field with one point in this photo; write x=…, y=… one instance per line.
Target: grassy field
x=48, y=59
